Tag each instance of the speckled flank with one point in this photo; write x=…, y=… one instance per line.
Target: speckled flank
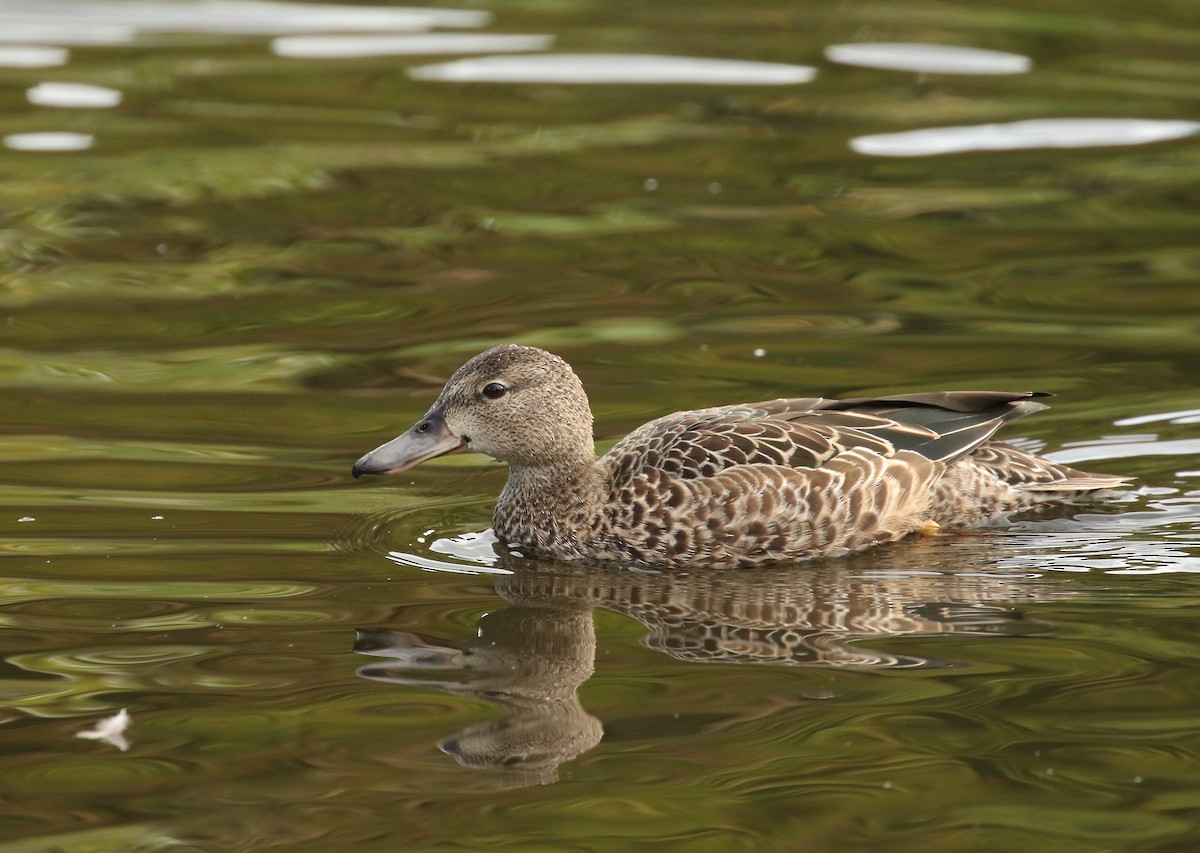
x=756, y=483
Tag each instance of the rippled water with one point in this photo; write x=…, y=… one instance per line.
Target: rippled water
x=242, y=243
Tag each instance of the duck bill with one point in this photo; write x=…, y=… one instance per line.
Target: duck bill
x=429, y=438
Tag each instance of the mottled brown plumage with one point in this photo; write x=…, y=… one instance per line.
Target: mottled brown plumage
x=756, y=483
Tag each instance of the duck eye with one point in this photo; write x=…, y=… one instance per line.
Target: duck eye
x=494, y=390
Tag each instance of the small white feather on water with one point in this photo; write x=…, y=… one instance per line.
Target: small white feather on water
x=110, y=730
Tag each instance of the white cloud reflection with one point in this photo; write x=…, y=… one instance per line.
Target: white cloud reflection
x=73, y=95
x=1034, y=133
x=49, y=141
x=1126, y=447
x=345, y=46
x=32, y=56
x=588, y=68
x=58, y=30
x=928, y=58
x=109, y=22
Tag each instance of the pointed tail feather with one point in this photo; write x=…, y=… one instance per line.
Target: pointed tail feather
x=1079, y=483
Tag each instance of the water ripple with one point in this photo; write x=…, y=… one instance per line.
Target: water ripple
x=36, y=589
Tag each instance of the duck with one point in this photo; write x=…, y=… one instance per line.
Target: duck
x=742, y=485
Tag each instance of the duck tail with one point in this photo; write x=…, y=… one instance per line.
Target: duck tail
x=1026, y=472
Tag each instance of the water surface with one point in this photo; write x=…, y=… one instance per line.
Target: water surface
x=242, y=243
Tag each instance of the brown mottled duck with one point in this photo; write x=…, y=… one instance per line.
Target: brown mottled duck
x=777, y=481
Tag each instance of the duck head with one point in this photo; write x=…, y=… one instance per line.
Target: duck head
x=518, y=404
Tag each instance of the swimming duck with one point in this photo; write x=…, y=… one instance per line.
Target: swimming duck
x=777, y=481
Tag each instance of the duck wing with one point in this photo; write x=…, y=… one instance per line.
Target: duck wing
x=811, y=432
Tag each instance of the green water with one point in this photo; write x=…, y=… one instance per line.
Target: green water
x=263, y=266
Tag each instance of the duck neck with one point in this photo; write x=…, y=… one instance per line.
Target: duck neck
x=552, y=485
x=550, y=509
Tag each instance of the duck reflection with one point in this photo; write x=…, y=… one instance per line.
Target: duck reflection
x=529, y=659
x=531, y=656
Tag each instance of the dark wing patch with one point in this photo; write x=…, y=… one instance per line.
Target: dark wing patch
x=954, y=401
x=960, y=420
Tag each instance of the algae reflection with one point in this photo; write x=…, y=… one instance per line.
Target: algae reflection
x=531, y=657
